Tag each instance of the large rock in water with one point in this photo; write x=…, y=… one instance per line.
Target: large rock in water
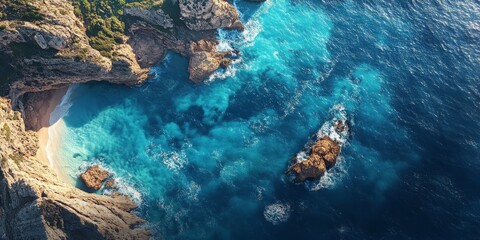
x=94, y=177
x=203, y=15
x=323, y=156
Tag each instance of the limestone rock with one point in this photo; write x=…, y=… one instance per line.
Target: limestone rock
x=40, y=40
x=110, y=184
x=64, y=54
x=36, y=204
x=94, y=177
x=209, y=14
x=203, y=64
x=152, y=16
x=323, y=156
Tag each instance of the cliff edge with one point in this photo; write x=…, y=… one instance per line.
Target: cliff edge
x=50, y=44
x=36, y=204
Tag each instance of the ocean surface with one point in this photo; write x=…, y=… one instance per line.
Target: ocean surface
x=208, y=161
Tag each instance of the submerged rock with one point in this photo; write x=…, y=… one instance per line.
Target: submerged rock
x=110, y=184
x=94, y=177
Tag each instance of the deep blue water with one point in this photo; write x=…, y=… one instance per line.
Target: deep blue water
x=208, y=161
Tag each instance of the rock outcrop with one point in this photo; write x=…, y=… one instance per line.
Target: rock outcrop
x=94, y=177
x=203, y=15
x=153, y=16
x=199, y=47
x=36, y=204
x=322, y=155
x=55, y=51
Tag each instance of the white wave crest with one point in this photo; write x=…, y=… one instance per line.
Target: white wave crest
x=277, y=213
x=125, y=188
x=331, y=178
x=328, y=128
x=231, y=40
x=192, y=190
x=61, y=110
x=174, y=160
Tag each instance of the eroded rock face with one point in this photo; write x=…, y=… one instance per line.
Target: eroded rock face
x=152, y=16
x=323, y=156
x=202, y=15
x=94, y=177
x=57, y=52
x=36, y=204
x=203, y=64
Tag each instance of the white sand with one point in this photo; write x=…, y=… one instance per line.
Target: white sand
x=48, y=134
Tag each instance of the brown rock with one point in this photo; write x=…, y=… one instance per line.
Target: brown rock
x=323, y=156
x=203, y=64
x=94, y=177
x=110, y=183
x=310, y=169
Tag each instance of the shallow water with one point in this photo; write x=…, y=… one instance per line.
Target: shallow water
x=208, y=161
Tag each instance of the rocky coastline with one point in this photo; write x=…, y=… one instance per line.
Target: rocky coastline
x=55, y=52
x=36, y=204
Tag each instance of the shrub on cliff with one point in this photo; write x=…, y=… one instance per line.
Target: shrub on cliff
x=105, y=21
x=23, y=10
x=7, y=131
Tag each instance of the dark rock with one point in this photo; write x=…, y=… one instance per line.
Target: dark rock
x=110, y=184
x=339, y=126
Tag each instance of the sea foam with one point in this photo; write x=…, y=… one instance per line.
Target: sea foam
x=277, y=213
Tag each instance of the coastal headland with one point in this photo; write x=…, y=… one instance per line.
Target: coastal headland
x=45, y=46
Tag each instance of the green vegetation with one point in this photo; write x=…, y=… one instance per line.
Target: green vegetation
x=2, y=26
x=7, y=131
x=145, y=4
x=105, y=21
x=16, y=157
x=19, y=10
x=102, y=21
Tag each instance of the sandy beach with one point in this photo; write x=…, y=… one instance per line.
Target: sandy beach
x=44, y=129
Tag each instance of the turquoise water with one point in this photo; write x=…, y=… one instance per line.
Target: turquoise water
x=208, y=161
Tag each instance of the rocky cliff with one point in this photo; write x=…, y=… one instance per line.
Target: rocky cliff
x=46, y=44
x=53, y=50
x=36, y=204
